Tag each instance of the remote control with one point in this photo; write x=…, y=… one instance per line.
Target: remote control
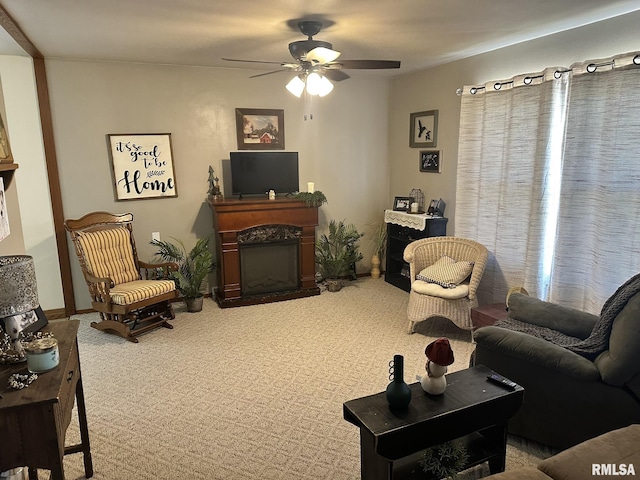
x=500, y=380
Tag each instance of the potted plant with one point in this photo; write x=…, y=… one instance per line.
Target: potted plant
x=445, y=460
x=379, y=242
x=337, y=253
x=193, y=268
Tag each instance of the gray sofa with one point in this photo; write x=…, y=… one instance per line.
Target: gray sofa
x=568, y=397
x=613, y=450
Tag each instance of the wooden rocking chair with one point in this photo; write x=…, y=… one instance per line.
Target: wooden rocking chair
x=131, y=296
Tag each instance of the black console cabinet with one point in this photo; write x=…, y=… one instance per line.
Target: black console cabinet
x=398, y=237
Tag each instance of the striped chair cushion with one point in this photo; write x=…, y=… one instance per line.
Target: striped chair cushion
x=108, y=253
x=446, y=272
x=131, y=292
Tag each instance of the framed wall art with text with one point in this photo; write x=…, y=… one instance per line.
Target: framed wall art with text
x=142, y=166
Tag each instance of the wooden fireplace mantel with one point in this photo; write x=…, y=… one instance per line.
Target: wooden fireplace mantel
x=233, y=216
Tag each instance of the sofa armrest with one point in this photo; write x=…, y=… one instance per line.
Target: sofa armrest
x=536, y=351
x=569, y=321
x=615, y=447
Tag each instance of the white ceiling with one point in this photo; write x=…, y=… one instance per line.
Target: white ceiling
x=419, y=33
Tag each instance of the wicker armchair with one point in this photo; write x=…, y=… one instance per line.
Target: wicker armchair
x=425, y=252
x=131, y=296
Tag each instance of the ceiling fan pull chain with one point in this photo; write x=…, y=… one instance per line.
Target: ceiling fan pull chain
x=308, y=106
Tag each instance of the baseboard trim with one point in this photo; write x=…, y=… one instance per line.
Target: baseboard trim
x=55, y=314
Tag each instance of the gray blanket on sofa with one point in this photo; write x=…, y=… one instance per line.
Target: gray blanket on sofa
x=598, y=341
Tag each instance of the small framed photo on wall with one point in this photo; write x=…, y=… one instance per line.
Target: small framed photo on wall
x=423, y=129
x=430, y=161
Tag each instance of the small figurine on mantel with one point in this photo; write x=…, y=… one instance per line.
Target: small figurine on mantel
x=214, y=185
x=439, y=356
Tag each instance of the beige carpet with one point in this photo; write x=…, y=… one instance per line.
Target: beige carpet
x=252, y=392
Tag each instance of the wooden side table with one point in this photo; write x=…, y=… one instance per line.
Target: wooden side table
x=471, y=409
x=34, y=420
x=488, y=314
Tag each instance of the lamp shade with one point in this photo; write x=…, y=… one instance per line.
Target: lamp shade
x=321, y=55
x=18, y=288
x=318, y=85
x=313, y=83
x=296, y=86
x=325, y=87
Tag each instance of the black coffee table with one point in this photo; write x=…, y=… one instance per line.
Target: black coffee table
x=471, y=409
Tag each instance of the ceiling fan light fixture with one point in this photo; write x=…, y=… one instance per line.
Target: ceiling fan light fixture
x=314, y=82
x=322, y=55
x=325, y=86
x=296, y=86
x=318, y=85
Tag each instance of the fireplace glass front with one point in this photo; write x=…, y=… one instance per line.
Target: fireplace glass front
x=269, y=267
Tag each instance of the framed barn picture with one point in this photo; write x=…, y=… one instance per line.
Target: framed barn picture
x=260, y=129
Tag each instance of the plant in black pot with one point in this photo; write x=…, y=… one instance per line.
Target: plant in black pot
x=337, y=253
x=193, y=268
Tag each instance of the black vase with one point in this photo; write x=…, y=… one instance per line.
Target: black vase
x=398, y=392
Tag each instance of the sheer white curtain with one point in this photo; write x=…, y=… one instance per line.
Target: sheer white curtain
x=549, y=181
x=508, y=165
x=598, y=239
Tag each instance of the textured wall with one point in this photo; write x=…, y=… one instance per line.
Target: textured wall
x=343, y=149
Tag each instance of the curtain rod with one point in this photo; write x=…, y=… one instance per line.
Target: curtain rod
x=591, y=68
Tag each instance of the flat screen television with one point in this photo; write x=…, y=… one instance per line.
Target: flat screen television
x=255, y=173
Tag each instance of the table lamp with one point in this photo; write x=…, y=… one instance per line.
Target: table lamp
x=19, y=292
x=18, y=295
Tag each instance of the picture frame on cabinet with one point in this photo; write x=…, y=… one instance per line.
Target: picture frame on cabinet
x=430, y=161
x=423, y=129
x=260, y=129
x=402, y=204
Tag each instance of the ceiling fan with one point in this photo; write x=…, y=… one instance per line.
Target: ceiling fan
x=316, y=63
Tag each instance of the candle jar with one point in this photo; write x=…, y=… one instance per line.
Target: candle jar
x=42, y=354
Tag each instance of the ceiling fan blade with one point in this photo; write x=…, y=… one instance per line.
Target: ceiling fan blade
x=269, y=73
x=321, y=55
x=251, y=61
x=335, y=75
x=369, y=64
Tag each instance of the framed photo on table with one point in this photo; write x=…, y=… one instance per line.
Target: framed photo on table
x=402, y=204
x=260, y=129
x=423, y=129
x=27, y=322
